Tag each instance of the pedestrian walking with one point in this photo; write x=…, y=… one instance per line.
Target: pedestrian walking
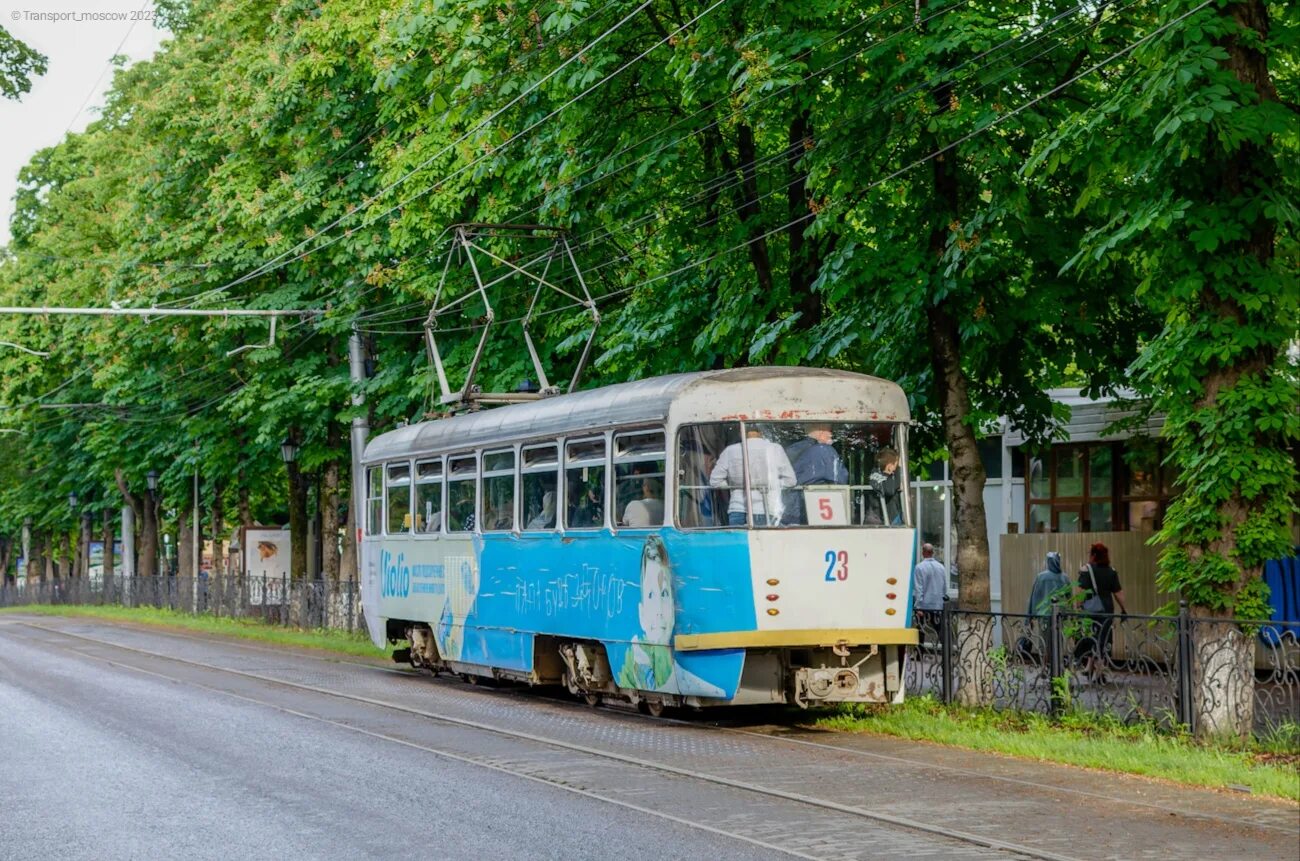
x=1101, y=593
x=929, y=587
x=1051, y=582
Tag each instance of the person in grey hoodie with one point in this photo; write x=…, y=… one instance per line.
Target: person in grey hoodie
x=1050, y=582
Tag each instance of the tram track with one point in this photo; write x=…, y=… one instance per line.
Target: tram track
x=525, y=695
x=744, y=786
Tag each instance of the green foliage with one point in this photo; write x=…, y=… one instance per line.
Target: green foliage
x=18, y=65
x=730, y=178
x=1195, y=195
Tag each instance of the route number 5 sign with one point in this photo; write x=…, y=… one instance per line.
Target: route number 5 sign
x=827, y=506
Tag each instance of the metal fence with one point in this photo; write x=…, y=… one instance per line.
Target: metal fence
x=1134, y=668
x=275, y=600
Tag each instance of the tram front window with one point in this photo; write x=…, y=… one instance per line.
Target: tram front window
x=791, y=474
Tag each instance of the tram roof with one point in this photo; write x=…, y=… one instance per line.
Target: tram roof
x=756, y=393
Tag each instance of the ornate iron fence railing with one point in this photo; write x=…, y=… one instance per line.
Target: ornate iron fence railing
x=298, y=603
x=1124, y=666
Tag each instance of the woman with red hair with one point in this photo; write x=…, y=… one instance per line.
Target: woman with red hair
x=1097, y=579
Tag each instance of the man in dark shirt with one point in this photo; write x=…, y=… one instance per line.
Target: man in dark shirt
x=815, y=462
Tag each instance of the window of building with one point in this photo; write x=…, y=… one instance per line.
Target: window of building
x=1147, y=484
x=584, y=492
x=639, y=479
x=540, y=479
x=1095, y=487
x=428, y=496
x=374, y=500
x=498, y=491
x=398, y=492
x=462, y=492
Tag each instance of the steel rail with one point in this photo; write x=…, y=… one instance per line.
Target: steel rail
x=757, y=789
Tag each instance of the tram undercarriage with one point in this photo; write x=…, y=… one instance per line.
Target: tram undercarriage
x=806, y=677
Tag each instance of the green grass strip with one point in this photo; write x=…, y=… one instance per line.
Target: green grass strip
x=340, y=642
x=1267, y=767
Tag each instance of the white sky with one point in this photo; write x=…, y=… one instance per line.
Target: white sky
x=79, y=74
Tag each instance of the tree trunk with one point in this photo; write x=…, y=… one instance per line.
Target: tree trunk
x=952, y=385
x=106, y=537
x=297, y=523
x=245, y=511
x=329, y=522
x=83, y=545
x=186, y=574
x=146, y=517
x=1223, y=657
x=348, y=563
x=750, y=211
x=218, y=517
x=51, y=571
x=1223, y=679
x=6, y=551
x=149, y=537
x=36, y=560
x=805, y=262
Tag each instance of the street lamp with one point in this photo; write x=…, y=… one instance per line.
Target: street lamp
x=72, y=501
x=289, y=451
x=152, y=479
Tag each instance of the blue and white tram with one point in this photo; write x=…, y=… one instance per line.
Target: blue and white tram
x=625, y=543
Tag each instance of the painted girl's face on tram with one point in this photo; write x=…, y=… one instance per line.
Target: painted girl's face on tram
x=656, y=610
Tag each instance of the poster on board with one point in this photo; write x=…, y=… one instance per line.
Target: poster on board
x=266, y=564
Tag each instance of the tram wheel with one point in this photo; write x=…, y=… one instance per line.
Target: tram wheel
x=593, y=700
x=654, y=708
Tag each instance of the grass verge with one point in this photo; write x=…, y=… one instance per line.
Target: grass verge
x=340, y=642
x=1267, y=767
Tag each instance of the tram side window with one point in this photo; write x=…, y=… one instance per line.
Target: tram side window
x=462, y=493
x=639, y=479
x=498, y=491
x=541, y=482
x=699, y=504
x=428, y=497
x=374, y=500
x=584, y=491
x=399, y=498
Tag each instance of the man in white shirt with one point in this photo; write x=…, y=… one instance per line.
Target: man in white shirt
x=769, y=472
x=929, y=586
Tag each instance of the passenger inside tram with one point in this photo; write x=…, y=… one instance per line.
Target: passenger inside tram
x=544, y=516
x=649, y=509
x=585, y=510
x=849, y=471
x=769, y=471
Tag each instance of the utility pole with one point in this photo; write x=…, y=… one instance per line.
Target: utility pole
x=196, y=554
x=360, y=431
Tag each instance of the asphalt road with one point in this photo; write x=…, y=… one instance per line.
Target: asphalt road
x=117, y=742
x=103, y=762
